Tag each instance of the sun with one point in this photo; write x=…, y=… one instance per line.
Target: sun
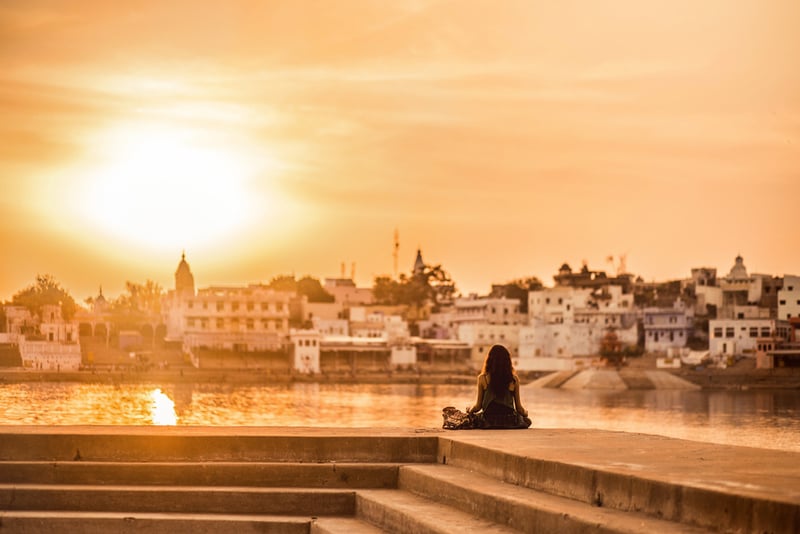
x=167, y=186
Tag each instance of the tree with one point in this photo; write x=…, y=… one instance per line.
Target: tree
x=311, y=288
x=432, y=284
x=385, y=290
x=139, y=303
x=45, y=291
x=308, y=286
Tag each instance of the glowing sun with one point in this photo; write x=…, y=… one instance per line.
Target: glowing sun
x=168, y=187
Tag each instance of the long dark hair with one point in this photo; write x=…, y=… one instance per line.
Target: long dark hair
x=499, y=368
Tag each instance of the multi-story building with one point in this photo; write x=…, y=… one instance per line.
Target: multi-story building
x=481, y=336
x=667, y=328
x=741, y=337
x=241, y=318
x=250, y=318
x=45, y=341
x=568, y=324
x=789, y=298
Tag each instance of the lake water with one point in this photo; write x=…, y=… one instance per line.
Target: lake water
x=766, y=419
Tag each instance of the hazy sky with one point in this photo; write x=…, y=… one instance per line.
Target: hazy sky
x=502, y=137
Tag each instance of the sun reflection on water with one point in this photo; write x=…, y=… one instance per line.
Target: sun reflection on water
x=162, y=409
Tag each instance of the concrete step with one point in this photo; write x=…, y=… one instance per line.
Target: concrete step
x=523, y=509
x=402, y=511
x=342, y=525
x=718, y=487
x=243, y=444
x=262, y=474
x=152, y=523
x=177, y=499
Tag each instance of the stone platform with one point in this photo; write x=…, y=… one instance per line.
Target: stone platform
x=310, y=480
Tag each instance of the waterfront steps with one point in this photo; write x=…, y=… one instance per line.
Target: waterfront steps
x=156, y=479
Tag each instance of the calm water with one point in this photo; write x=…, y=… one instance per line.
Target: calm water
x=758, y=419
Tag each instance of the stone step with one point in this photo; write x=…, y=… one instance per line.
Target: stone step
x=523, y=509
x=402, y=511
x=243, y=444
x=342, y=525
x=175, y=499
x=262, y=474
x=718, y=487
x=44, y=522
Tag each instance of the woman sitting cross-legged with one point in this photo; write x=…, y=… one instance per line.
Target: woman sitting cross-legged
x=498, y=404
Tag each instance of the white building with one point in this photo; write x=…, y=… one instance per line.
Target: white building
x=484, y=310
x=47, y=342
x=740, y=337
x=667, y=328
x=239, y=318
x=789, y=298
x=250, y=318
x=568, y=325
x=331, y=327
x=481, y=336
x=305, y=344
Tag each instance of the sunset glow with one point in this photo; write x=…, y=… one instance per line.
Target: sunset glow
x=167, y=187
x=504, y=139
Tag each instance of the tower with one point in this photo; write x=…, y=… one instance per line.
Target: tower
x=419, y=265
x=184, y=280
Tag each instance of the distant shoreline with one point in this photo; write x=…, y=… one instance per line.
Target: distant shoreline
x=227, y=376
x=707, y=379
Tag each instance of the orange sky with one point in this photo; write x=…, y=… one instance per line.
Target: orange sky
x=504, y=138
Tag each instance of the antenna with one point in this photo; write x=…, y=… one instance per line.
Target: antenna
x=396, y=249
x=353, y=271
x=344, y=270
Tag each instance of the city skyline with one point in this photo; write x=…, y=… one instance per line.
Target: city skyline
x=501, y=139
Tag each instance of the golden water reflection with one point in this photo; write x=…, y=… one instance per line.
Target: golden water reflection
x=766, y=419
x=162, y=409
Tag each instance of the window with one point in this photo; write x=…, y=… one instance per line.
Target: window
x=753, y=331
x=234, y=306
x=790, y=288
x=220, y=324
x=190, y=323
x=250, y=324
x=264, y=306
x=190, y=304
x=279, y=307
x=568, y=306
x=205, y=305
x=728, y=331
x=547, y=300
x=764, y=331
x=220, y=305
x=782, y=302
x=560, y=300
x=250, y=306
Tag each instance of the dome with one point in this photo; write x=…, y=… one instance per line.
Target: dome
x=565, y=268
x=738, y=271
